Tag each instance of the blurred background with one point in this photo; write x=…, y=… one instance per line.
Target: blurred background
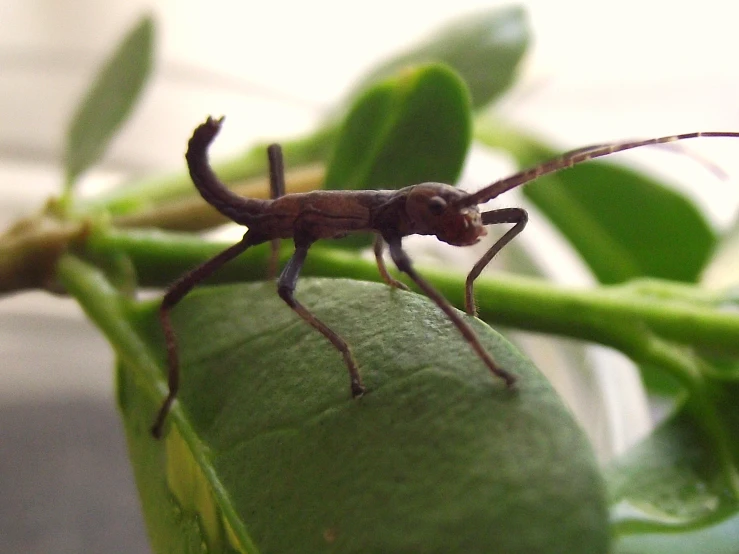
x=595, y=72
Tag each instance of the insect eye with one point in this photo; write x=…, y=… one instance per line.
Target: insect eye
x=437, y=205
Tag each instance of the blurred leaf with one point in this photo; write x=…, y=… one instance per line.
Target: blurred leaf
x=437, y=457
x=623, y=224
x=109, y=101
x=485, y=48
x=672, y=493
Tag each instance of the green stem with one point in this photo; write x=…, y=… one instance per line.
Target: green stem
x=603, y=315
x=661, y=289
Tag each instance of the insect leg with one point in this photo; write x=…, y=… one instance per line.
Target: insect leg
x=404, y=264
x=276, y=189
x=286, y=289
x=504, y=215
x=174, y=294
x=389, y=279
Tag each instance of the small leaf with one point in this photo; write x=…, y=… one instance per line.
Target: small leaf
x=108, y=102
x=623, y=224
x=485, y=48
x=438, y=456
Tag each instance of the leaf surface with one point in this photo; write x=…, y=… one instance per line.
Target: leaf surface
x=438, y=456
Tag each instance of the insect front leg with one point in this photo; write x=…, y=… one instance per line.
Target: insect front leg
x=172, y=296
x=504, y=215
x=404, y=264
x=286, y=289
x=389, y=279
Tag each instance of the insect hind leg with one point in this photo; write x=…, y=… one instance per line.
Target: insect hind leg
x=172, y=297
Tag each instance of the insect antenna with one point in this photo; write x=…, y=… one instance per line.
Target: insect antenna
x=573, y=158
x=674, y=147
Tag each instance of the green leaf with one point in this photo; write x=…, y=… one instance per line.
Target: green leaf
x=438, y=456
x=412, y=128
x=485, y=48
x=673, y=493
x=109, y=101
x=623, y=224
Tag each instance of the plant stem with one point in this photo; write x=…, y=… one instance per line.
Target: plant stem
x=603, y=315
x=30, y=249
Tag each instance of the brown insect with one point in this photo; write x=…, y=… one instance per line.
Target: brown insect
x=436, y=209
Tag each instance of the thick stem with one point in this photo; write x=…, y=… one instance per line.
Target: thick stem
x=596, y=315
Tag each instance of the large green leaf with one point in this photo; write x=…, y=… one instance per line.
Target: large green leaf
x=411, y=128
x=623, y=224
x=267, y=448
x=109, y=101
x=485, y=48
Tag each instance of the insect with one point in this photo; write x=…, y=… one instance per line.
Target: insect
x=436, y=209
